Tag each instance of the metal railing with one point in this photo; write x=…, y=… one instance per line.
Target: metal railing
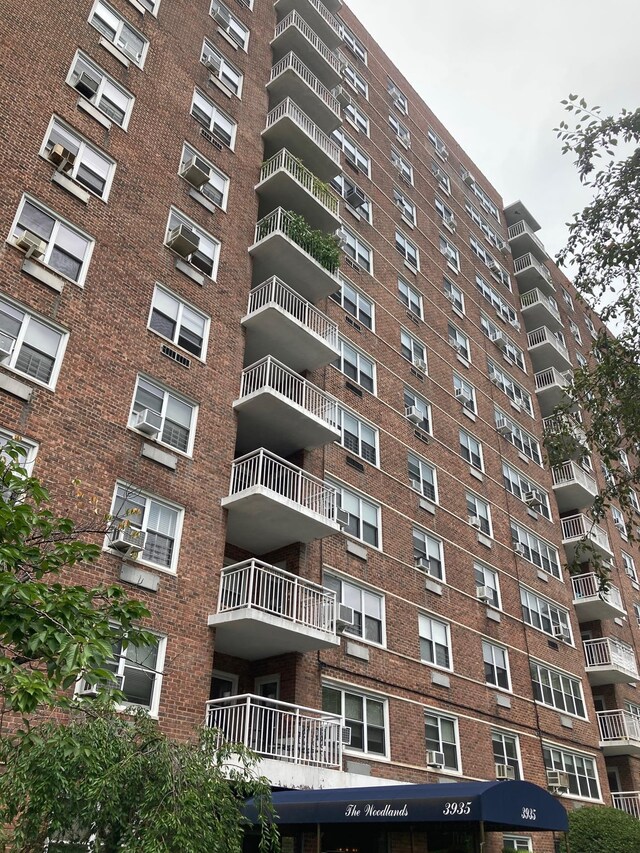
x=627, y=801
x=588, y=586
x=293, y=19
x=305, y=177
x=282, y=221
x=536, y=297
x=291, y=61
x=549, y=377
x=270, y=374
x=525, y=261
x=326, y=16
x=542, y=335
x=278, y=730
x=275, y=291
x=523, y=227
x=263, y=468
x=618, y=725
x=569, y=472
x=291, y=110
x=260, y=586
x=605, y=651
x=557, y=423
x=580, y=526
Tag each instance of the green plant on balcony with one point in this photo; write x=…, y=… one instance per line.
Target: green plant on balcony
x=325, y=248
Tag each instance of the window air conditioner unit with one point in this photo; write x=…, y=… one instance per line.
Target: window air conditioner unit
x=412, y=414
x=503, y=426
x=147, y=421
x=342, y=237
x=518, y=547
x=424, y=564
x=468, y=178
x=462, y=396
x=557, y=780
x=93, y=690
x=196, y=172
x=344, y=617
x=420, y=363
x=504, y=246
x=32, y=244
x=483, y=593
x=416, y=485
x=62, y=158
x=212, y=63
x=516, y=324
x=450, y=255
x=450, y=222
x=127, y=540
x=342, y=96
x=345, y=735
x=475, y=522
x=492, y=265
x=355, y=198
x=533, y=499
x=6, y=346
x=503, y=771
x=442, y=152
x=435, y=759
x=87, y=85
x=129, y=51
x=499, y=340
x=342, y=517
x=560, y=632
x=183, y=241
x=220, y=14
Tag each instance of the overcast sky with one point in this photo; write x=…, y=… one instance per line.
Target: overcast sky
x=494, y=72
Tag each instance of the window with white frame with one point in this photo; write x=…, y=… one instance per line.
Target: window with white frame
x=546, y=616
x=353, y=43
x=37, y=346
x=422, y=477
x=64, y=248
x=590, y=326
x=441, y=735
x=490, y=262
x=403, y=166
x=150, y=5
x=213, y=119
x=356, y=365
x=515, y=392
x=438, y=144
x=525, y=490
x=364, y=515
x=488, y=578
x=629, y=566
x=353, y=77
x=619, y=522
x=536, y=550
x=506, y=750
x=176, y=416
x=580, y=768
x=435, y=642
x=443, y=179
x=636, y=611
x=413, y=350
x=405, y=205
x=567, y=299
x=428, y=553
x=479, y=513
x=400, y=130
x=575, y=331
x=357, y=117
x=633, y=709
x=446, y=214
x=353, y=154
x=633, y=499
x=509, y=349
x=176, y=321
x=410, y=297
x=413, y=401
x=453, y=294
x=364, y=714
x=357, y=250
x=26, y=450
x=471, y=450
x=503, y=308
x=481, y=195
x=358, y=437
x=520, y=439
x=408, y=250
x=465, y=392
x=216, y=188
x=205, y=256
x=557, y=689
x=367, y=606
x=101, y=90
x=624, y=461
x=229, y=24
x=496, y=665
x=119, y=32
x=519, y=843
x=87, y=164
x=458, y=341
x=353, y=195
x=492, y=236
x=159, y=521
x=450, y=252
x=399, y=99
x=220, y=67
x=355, y=303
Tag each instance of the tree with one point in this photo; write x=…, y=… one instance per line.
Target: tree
x=603, y=254
x=602, y=829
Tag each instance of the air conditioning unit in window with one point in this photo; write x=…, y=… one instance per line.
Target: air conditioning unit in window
x=416, y=485
x=344, y=617
x=420, y=363
x=33, y=246
x=342, y=237
x=475, y=522
x=441, y=151
x=503, y=426
x=147, y=421
x=504, y=247
x=127, y=540
x=503, y=771
x=561, y=633
x=90, y=691
x=196, y=172
x=557, y=781
x=86, y=85
x=533, y=499
x=516, y=324
x=518, y=548
x=355, y=198
x=6, y=346
x=468, y=178
x=412, y=414
x=345, y=735
x=183, y=241
x=435, y=759
x=450, y=255
x=343, y=97
x=499, y=340
x=450, y=222
x=620, y=527
x=62, y=158
x=212, y=63
x=483, y=593
x=220, y=14
x=463, y=396
x=492, y=265
x=342, y=517
x=129, y=51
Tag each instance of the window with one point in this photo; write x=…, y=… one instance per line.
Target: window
x=567, y=299
x=444, y=181
x=160, y=521
x=352, y=153
x=536, y=550
x=410, y=297
x=557, y=690
x=365, y=716
x=353, y=43
x=448, y=218
x=150, y=5
x=510, y=351
x=355, y=80
x=488, y=578
x=484, y=199
x=624, y=461
x=101, y=90
x=355, y=303
x=411, y=400
x=438, y=144
x=503, y=308
x=216, y=188
x=465, y=392
x=427, y=552
x=364, y=515
x=177, y=415
x=37, y=346
x=525, y=490
x=575, y=331
x=492, y=236
x=520, y=439
x=229, y=24
x=27, y=450
x=213, y=119
x=349, y=190
x=67, y=250
x=496, y=667
x=221, y=68
x=403, y=166
x=515, y=392
x=356, y=366
x=458, y=341
x=424, y=476
x=367, y=606
x=358, y=437
x=517, y=842
x=205, y=256
x=357, y=118
x=398, y=98
x=405, y=205
x=453, y=294
x=506, y=751
x=581, y=770
x=589, y=324
x=178, y=322
x=619, y=522
x=544, y=615
x=632, y=709
x=490, y=262
x=90, y=167
x=471, y=450
x=117, y=31
x=480, y=512
x=400, y=130
x=413, y=350
x=441, y=735
x=358, y=250
x=451, y=253
x=408, y=251
x=435, y=642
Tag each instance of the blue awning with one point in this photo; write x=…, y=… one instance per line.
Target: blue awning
x=500, y=805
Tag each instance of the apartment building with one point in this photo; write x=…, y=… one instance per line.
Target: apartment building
x=329, y=448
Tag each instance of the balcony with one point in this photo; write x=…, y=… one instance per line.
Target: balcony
x=278, y=730
x=591, y=603
x=280, y=249
x=540, y=310
x=576, y=528
x=573, y=487
x=293, y=33
x=576, y=438
x=285, y=182
x=547, y=350
x=319, y=18
x=524, y=241
x=627, y=801
x=264, y=611
x=609, y=661
x=288, y=127
x=279, y=322
x=273, y=503
x=280, y=410
x=619, y=733
x=290, y=78
x=531, y=273
x=551, y=388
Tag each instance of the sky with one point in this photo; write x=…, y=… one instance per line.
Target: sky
x=494, y=72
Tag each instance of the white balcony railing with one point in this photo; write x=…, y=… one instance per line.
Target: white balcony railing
x=283, y=222
x=289, y=109
x=618, y=725
x=277, y=292
x=607, y=652
x=581, y=527
x=265, y=469
x=286, y=161
x=536, y=297
x=278, y=730
x=270, y=375
x=293, y=63
x=260, y=586
x=293, y=19
x=555, y=424
x=523, y=227
x=627, y=801
x=569, y=474
x=326, y=16
x=587, y=586
x=546, y=336
x=524, y=262
x=550, y=377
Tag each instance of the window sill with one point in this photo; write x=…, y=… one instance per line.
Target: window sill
x=408, y=221
x=411, y=267
x=202, y=200
x=463, y=361
x=42, y=274
x=88, y=108
x=15, y=388
x=228, y=38
x=143, y=564
x=220, y=85
x=70, y=186
x=458, y=312
x=156, y=454
x=137, y=6
x=122, y=59
x=186, y=268
x=468, y=414
x=453, y=268
x=353, y=212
